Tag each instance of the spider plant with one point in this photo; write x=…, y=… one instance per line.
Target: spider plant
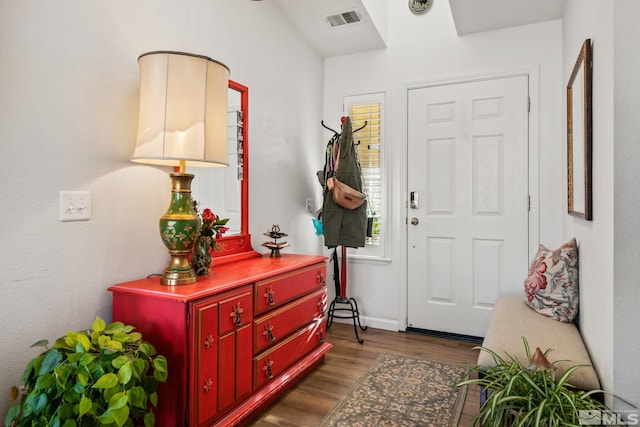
x=529, y=395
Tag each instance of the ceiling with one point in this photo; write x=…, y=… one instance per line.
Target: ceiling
x=470, y=16
x=309, y=16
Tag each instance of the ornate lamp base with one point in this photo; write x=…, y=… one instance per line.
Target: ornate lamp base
x=179, y=271
x=179, y=229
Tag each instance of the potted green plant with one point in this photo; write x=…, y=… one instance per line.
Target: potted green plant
x=103, y=376
x=529, y=395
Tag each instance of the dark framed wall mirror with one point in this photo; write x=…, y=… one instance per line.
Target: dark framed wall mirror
x=226, y=190
x=579, y=135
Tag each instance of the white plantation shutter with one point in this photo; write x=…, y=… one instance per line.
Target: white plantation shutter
x=370, y=146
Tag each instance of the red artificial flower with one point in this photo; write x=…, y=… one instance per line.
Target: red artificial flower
x=207, y=215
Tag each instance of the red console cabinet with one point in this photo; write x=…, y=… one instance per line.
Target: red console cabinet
x=233, y=341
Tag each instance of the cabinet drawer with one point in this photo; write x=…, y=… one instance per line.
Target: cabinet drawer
x=235, y=310
x=271, y=363
x=279, y=290
x=278, y=324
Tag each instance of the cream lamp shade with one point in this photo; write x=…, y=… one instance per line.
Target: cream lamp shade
x=182, y=122
x=183, y=110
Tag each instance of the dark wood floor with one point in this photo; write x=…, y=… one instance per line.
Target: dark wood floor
x=307, y=403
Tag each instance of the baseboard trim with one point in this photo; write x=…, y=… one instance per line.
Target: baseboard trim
x=447, y=335
x=373, y=322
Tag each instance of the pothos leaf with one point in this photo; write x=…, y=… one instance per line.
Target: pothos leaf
x=50, y=361
x=147, y=349
x=84, y=406
x=114, y=327
x=118, y=401
x=124, y=373
x=45, y=381
x=154, y=398
x=106, y=381
x=118, y=416
x=84, y=340
x=137, y=397
x=149, y=419
x=41, y=343
x=160, y=371
x=98, y=325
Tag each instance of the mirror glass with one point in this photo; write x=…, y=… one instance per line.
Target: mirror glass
x=226, y=190
x=219, y=189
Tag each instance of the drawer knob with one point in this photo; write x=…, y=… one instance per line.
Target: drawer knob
x=320, y=278
x=268, y=332
x=208, y=385
x=268, y=368
x=208, y=341
x=236, y=314
x=321, y=305
x=269, y=296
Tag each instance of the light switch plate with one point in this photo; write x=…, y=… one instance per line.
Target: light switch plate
x=75, y=206
x=309, y=204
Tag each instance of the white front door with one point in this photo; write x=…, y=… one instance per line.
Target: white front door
x=468, y=227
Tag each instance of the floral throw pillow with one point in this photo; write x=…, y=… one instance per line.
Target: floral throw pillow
x=552, y=285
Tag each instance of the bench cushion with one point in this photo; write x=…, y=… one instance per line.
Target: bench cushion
x=512, y=319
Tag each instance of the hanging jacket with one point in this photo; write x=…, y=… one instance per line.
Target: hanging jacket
x=344, y=227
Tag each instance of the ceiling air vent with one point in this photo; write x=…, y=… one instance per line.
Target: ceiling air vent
x=344, y=18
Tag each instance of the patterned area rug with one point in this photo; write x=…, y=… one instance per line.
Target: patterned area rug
x=402, y=391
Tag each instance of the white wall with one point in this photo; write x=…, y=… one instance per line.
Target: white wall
x=594, y=19
x=626, y=250
x=609, y=249
x=68, y=114
x=425, y=48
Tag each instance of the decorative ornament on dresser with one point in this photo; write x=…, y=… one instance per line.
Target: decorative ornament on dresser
x=275, y=247
x=212, y=228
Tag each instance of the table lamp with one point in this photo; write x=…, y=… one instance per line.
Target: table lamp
x=182, y=122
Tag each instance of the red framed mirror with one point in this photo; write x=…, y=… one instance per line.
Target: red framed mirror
x=226, y=190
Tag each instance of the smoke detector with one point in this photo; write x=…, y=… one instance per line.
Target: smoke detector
x=343, y=18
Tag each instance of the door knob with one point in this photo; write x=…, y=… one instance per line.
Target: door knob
x=414, y=221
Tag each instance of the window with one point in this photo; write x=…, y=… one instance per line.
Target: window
x=369, y=142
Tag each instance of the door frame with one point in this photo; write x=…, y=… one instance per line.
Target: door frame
x=533, y=172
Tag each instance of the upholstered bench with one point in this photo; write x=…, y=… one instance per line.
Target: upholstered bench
x=512, y=319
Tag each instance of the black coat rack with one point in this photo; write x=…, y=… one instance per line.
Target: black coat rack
x=348, y=304
x=338, y=133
